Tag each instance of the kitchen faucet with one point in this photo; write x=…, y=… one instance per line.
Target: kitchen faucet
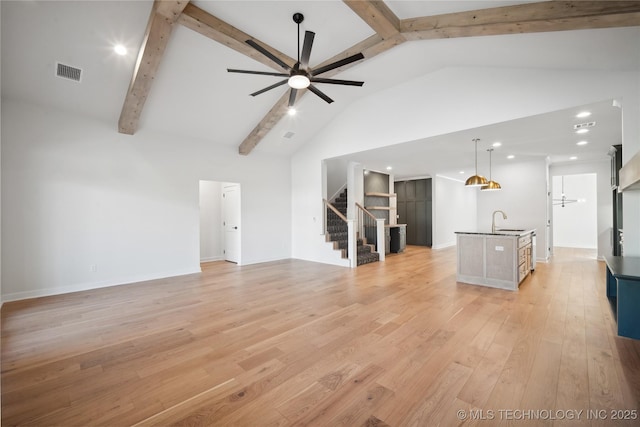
x=493, y=220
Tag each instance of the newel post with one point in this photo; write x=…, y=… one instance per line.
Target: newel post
x=352, y=244
x=380, y=238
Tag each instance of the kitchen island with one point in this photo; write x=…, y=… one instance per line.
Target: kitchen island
x=499, y=259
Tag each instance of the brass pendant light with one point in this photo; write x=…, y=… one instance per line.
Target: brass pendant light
x=491, y=185
x=476, y=180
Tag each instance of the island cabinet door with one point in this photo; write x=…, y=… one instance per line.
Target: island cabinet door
x=470, y=256
x=500, y=253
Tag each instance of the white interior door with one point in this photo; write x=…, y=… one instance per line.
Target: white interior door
x=231, y=221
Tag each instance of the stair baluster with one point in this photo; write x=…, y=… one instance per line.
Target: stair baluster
x=337, y=231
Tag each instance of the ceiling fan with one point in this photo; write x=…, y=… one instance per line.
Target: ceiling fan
x=300, y=76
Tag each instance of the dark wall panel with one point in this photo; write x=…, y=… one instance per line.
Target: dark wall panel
x=414, y=209
x=429, y=225
x=412, y=237
x=421, y=222
x=402, y=211
x=375, y=182
x=411, y=190
x=421, y=189
x=400, y=190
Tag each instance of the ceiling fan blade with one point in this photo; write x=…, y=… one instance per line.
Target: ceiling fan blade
x=315, y=90
x=336, y=81
x=292, y=97
x=268, y=54
x=262, y=73
x=273, y=86
x=337, y=64
x=306, y=48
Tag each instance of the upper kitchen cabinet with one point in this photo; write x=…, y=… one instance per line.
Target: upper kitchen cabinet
x=630, y=174
x=414, y=202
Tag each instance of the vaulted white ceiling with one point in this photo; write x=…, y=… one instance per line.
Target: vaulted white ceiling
x=193, y=95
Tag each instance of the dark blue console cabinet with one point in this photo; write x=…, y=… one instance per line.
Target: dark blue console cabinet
x=623, y=288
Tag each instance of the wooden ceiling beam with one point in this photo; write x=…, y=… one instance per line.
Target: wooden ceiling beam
x=214, y=28
x=390, y=31
x=163, y=15
x=267, y=123
x=171, y=9
x=377, y=15
x=525, y=18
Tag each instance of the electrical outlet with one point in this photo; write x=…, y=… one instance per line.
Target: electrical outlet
x=94, y=268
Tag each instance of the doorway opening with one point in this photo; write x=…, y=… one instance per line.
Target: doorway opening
x=575, y=215
x=220, y=214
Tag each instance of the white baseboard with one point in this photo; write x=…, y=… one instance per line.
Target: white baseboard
x=444, y=245
x=211, y=259
x=16, y=296
x=261, y=260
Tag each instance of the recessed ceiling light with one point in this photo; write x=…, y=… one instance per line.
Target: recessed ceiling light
x=461, y=172
x=582, y=131
x=292, y=111
x=583, y=114
x=120, y=49
x=573, y=158
x=582, y=143
x=510, y=156
x=389, y=168
x=497, y=144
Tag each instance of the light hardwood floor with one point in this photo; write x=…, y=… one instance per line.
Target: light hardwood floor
x=396, y=343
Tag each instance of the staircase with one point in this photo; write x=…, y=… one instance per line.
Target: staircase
x=338, y=234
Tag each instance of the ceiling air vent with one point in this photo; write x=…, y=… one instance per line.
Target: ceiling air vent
x=584, y=125
x=68, y=72
x=288, y=135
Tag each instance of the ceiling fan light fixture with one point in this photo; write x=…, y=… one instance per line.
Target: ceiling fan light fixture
x=299, y=81
x=299, y=76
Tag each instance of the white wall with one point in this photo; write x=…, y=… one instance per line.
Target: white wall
x=448, y=100
x=454, y=209
x=575, y=223
x=1, y=299
x=604, y=196
x=211, y=221
x=523, y=198
x=77, y=194
x=336, y=176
